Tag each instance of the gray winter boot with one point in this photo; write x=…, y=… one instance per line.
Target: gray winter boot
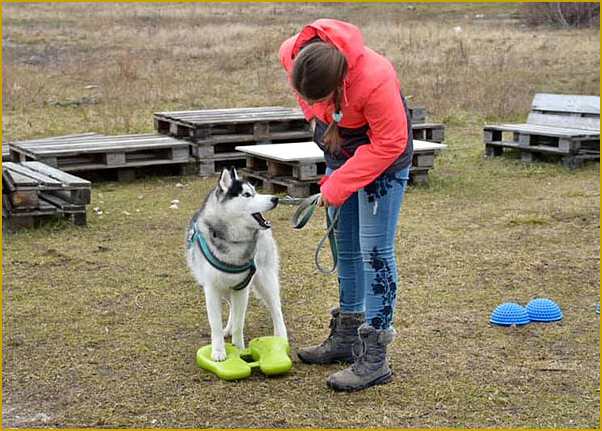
x=337, y=347
x=370, y=366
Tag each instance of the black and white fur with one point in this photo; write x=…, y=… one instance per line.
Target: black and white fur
x=231, y=222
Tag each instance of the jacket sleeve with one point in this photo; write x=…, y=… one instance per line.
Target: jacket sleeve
x=287, y=62
x=388, y=136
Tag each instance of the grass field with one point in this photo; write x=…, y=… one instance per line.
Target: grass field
x=101, y=324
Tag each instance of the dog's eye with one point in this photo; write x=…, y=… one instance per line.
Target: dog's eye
x=246, y=194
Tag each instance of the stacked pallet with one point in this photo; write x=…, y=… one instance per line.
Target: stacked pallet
x=31, y=190
x=90, y=152
x=215, y=133
x=296, y=168
x=432, y=132
x=423, y=161
x=293, y=168
x=567, y=126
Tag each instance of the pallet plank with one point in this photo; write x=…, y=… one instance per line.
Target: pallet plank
x=564, y=121
x=67, y=180
x=542, y=130
x=566, y=103
x=28, y=177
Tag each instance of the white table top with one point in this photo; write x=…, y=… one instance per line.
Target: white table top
x=309, y=152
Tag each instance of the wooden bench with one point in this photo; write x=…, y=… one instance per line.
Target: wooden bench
x=34, y=189
x=93, y=152
x=565, y=125
x=297, y=167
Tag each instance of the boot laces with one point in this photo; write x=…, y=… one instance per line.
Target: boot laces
x=359, y=357
x=332, y=326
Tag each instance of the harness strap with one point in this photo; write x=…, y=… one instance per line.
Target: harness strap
x=221, y=266
x=306, y=208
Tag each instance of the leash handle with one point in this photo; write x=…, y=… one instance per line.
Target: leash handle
x=306, y=209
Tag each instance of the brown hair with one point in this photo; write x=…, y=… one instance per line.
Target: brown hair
x=319, y=70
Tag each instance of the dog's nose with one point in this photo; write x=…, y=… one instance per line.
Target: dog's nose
x=274, y=200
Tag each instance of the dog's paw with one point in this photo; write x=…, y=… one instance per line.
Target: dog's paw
x=218, y=355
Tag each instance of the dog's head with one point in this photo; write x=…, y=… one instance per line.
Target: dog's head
x=238, y=197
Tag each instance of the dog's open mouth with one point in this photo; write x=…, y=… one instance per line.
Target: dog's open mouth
x=261, y=220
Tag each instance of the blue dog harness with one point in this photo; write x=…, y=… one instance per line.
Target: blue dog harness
x=221, y=266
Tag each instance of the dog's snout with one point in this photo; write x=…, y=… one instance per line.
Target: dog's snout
x=274, y=200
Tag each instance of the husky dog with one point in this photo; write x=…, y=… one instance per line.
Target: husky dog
x=230, y=250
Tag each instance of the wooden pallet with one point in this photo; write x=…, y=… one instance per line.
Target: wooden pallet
x=557, y=140
x=431, y=132
x=103, y=152
x=297, y=167
x=418, y=114
x=215, y=150
x=564, y=125
x=237, y=125
x=423, y=160
x=281, y=184
x=214, y=165
x=78, y=137
x=419, y=176
x=33, y=189
x=302, y=161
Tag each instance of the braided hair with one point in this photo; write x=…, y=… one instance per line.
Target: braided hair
x=318, y=71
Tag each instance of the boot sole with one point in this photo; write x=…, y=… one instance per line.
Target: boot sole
x=380, y=381
x=325, y=362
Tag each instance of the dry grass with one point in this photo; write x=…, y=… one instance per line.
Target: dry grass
x=100, y=325
x=149, y=57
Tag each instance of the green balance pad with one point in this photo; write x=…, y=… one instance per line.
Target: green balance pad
x=270, y=354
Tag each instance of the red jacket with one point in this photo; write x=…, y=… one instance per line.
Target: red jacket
x=371, y=95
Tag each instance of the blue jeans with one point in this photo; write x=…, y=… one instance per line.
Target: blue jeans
x=366, y=242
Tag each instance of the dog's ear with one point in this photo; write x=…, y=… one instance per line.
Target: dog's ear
x=234, y=173
x=225, y=180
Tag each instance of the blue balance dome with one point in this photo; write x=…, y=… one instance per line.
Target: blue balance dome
x=598, y=309
x=509, y=313
x=543, y=310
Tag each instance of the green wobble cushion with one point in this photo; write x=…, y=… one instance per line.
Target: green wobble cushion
x=270, y=354
x=232, y=368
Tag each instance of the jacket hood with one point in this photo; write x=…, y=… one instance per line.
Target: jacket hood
x=346, y=37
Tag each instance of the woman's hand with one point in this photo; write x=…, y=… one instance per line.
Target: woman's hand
x=323, y=202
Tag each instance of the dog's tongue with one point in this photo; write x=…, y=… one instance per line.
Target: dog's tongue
x=261, y=220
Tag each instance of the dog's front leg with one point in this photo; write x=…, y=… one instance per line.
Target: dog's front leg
x=239, y=300
x=268, y=288
x=213, y=299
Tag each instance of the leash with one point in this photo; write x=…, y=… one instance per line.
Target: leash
x=221, y=266
x=305, y=212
